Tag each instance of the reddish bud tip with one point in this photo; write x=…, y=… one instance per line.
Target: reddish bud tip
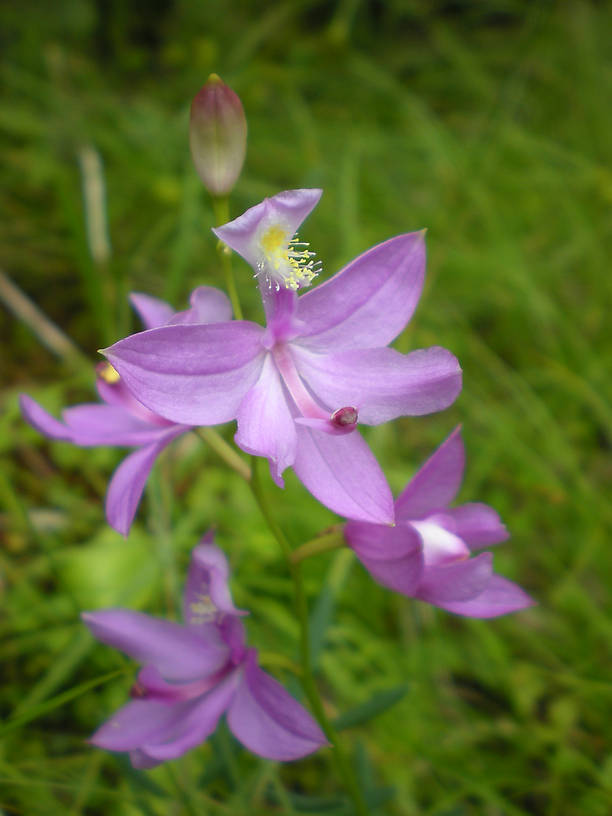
x=344, y=417
x=217, y=135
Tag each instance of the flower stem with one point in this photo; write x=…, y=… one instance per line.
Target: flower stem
x=330, y=539
x=221, y=211
x=307, y=677
x=224, y=451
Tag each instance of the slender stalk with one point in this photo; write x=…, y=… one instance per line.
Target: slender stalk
x=307, y=678
x=221, y=210
x=225, y=452
x=331, y=539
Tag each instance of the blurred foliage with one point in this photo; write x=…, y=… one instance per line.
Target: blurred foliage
x=490, y=124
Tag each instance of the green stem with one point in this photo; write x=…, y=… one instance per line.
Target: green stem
x=225, y=452
x=221, y=211
x=331, y=539
x=307, y=678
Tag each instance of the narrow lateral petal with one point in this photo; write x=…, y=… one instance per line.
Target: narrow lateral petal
x=152, y=311
x=134, y=723
x=392, y=555
x=193, y=374
x=343, y=474
x=265, y=425
x=197, y=722
x=128, y=481
x=460, y=581
x=42, y=421
x=370, y=301
x=478, y=524
x=499, y=597
x=177, y=652
x=207, y=597
x=436, y=483
x=268, y=720
x=382, y=383
x=100, y=424
x=208, y=305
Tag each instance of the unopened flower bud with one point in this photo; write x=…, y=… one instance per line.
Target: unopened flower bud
x=217, y=135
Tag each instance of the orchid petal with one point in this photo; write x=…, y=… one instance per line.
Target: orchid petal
x=436, y=483
x=392, y=555
x=128, y=481
x=382, y=383
x=287, y=209
x=268, y=720
x=152, y=311
x=135, y=722
x=207, y=598
x=99, y=424
x=196, y=374
x=460, y=581
x=195, y=724
x=478, y=524
x=177, y=652
x=42, y=421
x=440, y=546
x=208, y=305
x=499, y=597
x=343, y=474
x=265, y=425
x=370, y=301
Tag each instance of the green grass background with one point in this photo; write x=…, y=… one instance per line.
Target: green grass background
x=490, y=123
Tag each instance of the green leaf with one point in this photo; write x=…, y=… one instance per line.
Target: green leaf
x=372, y=708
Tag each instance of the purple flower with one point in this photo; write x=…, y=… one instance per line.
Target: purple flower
x=194, y=673
x=428, y=554
x=298, y=387
x=120, y=419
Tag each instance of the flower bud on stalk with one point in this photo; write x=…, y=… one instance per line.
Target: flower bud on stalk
x=217, y=136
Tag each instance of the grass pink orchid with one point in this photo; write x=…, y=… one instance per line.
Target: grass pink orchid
x=196, y=672
x=299, y=387
x=119, y=419
x=428, y=553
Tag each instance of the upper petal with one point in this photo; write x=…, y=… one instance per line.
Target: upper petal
x=265, y=425
x=499, y=597
x=287, y=209
x=194, y=374
x=128, y=481
x=208, y=305
x=460, y=581
x=268, y=720
x=436, y=483
x=207, y=598
x=343, y=474
x=478, y=524
x=382, y=383
x=368, y=303
x=152, y=311
x=179, y=654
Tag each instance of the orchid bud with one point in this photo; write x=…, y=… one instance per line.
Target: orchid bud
x=217, y=135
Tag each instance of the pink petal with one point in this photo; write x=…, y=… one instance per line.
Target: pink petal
x=152, y=311
x=288, y=209
x=382, y=383
x=343, y=474
x=195, y=374
x=100, y=424
x=135, y=722
x=460, y=581
x=207, y=598
x=499, y=597
x=265, y=425
x=179, y=654
x=368, y=303
x=208, y=305
x=392, y=555
x=268, y=720
x=436, y=483
x=478, y=524
x=128, y=481
x=42, y=421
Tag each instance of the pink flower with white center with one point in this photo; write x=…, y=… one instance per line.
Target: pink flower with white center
x=428, y=553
